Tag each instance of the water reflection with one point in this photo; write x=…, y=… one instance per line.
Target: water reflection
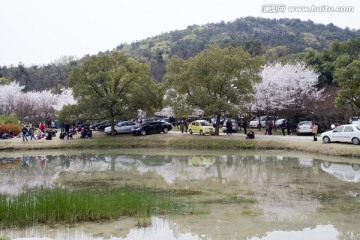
x=344, y=172
x=249, y=196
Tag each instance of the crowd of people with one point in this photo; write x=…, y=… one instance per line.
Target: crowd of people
x=69, y=131
x=48, y=132
x=28, y=131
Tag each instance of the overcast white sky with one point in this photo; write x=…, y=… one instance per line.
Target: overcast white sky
x=41, y=31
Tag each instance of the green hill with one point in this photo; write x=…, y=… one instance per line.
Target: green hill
x=257, y=35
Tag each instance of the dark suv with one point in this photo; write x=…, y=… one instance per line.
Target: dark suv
x=152, y=127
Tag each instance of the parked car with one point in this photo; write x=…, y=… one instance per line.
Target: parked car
x=102, y=127
x=278, y=122
x=235, y=126
x=202, y=127
x=304, y=127
x=122, y=127
x=343, y=133
x=255, y=122
x=152, y=127
x=354, y=120
x=213, y=121
x=95, y=125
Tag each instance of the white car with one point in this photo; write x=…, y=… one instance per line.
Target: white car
x=343, y=133
x=122, y=127
x=354, y=120
x=278, y=122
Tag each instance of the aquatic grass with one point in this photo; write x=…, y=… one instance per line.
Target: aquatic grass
x=50, y=206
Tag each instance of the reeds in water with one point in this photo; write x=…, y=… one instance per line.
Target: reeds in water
x=50, y=206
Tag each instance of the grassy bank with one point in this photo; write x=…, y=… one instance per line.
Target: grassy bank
x=50, y=206
x=186, y=141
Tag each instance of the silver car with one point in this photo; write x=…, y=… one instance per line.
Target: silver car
x=235, y=126
x=122, y=127
x=304, y=127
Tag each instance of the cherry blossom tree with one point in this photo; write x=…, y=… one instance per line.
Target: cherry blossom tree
x=286, y=88
x=32, y=106
x=8, y=95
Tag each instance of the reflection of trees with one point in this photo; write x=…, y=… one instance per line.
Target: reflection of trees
x=348, y=236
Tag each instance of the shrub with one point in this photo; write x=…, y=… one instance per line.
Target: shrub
x=12, y=127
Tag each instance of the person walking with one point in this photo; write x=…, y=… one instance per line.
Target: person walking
x=315, y=131
x=31, y=133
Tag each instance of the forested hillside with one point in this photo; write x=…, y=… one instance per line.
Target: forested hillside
x=282, y=38
x=274, y=38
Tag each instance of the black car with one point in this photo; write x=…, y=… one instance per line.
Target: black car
x=95, y=125
x=152, y=127
x=102, y=127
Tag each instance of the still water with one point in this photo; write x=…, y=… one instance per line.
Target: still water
x=244, y=195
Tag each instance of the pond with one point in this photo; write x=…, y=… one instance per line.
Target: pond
x=242, y=195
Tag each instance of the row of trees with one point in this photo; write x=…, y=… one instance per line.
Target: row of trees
x=215, y=81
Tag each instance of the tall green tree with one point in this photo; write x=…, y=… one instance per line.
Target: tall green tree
x=113, y=86
x=348, y=78
x=338, y=55
x=215, y=80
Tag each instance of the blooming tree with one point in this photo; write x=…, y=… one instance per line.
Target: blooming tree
x=285, y=87
x=32, y=106
x=8, y=94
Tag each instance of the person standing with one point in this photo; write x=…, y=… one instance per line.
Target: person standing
x=186, y=125
x=271, y=125
x=182, y=126
x=245, y=126
x=67, y=130
x=24, y=131
x=267, y=127
x=315, y=131
x=283, y=126
x=288, y=127
x=228, y=126
x=42, y=127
